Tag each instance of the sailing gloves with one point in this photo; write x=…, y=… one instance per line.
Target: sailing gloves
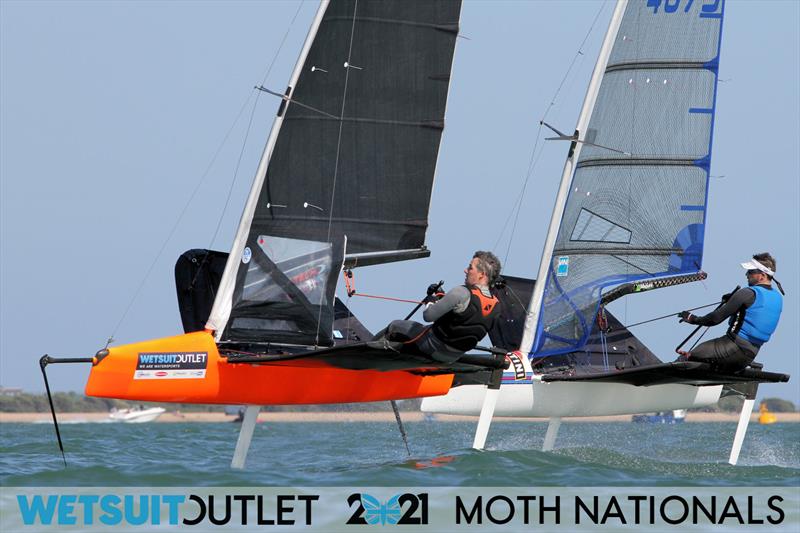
x=435, y=293
x=433, y=298
x=686, y=316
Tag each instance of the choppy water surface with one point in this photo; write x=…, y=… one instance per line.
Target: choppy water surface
x=372, y=453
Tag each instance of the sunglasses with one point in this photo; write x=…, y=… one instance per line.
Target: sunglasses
x=753, y=272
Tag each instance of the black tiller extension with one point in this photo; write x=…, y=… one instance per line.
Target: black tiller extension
x=422, y=302
x=698, y=328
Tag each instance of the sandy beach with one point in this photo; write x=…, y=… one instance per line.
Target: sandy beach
x=410, y=416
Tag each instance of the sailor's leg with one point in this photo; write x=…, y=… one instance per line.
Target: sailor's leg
x=245, y=436
x=744, y=420
x=403, y=330
x=722, y=352
x=552, y=433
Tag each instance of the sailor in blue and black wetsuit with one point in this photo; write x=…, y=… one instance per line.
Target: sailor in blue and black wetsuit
x=461, y=318
x=753, y=314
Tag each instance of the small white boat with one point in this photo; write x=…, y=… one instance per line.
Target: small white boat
x=136, y=414
x=675, y=416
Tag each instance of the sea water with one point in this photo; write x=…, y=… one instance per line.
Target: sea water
x=286, y=454
x=357, y=476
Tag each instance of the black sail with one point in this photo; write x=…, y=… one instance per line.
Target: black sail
x=371, y=173
x=354, y=160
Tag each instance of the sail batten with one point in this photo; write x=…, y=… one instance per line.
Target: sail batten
x=452, y=28
x=619, y=251
x=636, y=212
x=435, y=124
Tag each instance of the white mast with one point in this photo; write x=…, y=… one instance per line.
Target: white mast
x=223, y=302
x=532, y=320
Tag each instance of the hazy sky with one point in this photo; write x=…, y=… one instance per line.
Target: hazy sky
x=112, y=112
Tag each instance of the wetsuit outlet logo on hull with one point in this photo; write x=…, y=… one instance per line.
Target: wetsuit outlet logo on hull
x=174, y=365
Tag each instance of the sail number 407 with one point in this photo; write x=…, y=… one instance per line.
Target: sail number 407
x=671, y=6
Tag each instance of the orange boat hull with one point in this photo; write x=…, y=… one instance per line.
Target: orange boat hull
x=188, y=369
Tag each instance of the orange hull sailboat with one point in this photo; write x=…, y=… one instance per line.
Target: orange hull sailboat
x=344, y=181
x=189, y=369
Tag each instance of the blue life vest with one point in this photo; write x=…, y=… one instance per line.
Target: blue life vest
x=761, y=318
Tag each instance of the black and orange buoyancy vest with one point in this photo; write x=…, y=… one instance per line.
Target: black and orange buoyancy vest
x=465, y=330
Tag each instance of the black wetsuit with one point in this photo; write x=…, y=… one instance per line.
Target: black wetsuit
x=730, y=352
x=460, y=320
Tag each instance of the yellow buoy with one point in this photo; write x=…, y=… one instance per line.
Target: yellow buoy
x=766, y=417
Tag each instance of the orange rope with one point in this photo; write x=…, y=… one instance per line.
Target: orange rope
x=348, y=283
x=351, y=290
x=386, y=298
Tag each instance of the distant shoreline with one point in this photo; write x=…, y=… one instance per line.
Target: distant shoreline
x=409, y=416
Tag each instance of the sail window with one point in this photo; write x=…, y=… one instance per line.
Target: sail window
x=592, y=227
x=287, y=292
x=303, y=263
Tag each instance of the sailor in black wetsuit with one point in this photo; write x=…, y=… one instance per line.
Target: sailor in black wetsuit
x=754, y=312
x=461, y=318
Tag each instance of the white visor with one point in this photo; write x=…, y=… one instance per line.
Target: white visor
x=755, y=265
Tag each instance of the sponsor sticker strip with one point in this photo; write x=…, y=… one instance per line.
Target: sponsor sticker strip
x=172, y=365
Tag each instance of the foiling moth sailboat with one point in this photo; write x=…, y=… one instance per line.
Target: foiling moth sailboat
x=344, y=181
x=629, y=217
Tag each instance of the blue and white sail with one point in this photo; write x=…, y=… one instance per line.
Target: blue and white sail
x=632, y=202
